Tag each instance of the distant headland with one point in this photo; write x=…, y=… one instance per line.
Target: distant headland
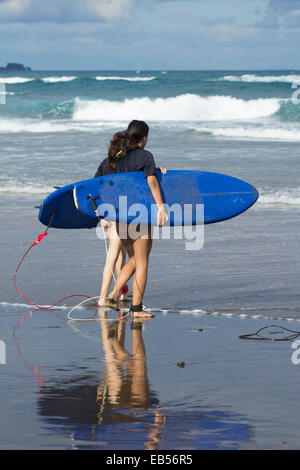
x=11, y=67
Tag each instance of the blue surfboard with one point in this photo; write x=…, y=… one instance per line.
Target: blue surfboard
x=126, y=197
x=59, y=210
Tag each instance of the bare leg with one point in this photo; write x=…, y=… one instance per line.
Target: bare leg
x=119, y=265
x=121, y=260
x=113, y=253
x=138, y=251
x=142, y=247
x=126, y=272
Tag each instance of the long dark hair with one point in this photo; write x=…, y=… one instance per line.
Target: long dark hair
x=125, y=141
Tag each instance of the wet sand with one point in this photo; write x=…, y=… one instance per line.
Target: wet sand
x=185, y=380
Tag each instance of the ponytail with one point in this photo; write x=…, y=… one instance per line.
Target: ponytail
x=116, y=149
x=124, y=142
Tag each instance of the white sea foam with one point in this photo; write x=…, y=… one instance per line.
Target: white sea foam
x=30, y=306
x=240, y=119
x=33, y=125
x=188, y=107
x=15, y=80
x=57, y=79
x=287, y=197
x=193, y=312
x=63, y=125
x=252, y=78
x=250, y=313
x=127, y=79
x=257, y=132
x=18, y=187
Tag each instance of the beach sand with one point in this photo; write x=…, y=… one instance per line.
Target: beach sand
x=189, y=381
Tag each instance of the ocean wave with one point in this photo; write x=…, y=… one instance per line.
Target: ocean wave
x=50, y=126
x=287, y=197
x=34, y=125
x=251, y=78
x=258, y=132
x=128, y=79
x=9, y=186
x=42, y=110
x=187, y=107
x=15, y=80
x=66, y=78
x=220, y=116
x=57, y=79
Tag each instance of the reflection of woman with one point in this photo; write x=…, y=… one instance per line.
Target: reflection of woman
x=126, y=374
x=118, y=411
x=126, y=384
x=132, y=156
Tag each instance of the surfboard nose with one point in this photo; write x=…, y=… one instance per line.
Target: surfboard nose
x=255, y=194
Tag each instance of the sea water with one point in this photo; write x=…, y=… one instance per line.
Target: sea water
x=55, y=126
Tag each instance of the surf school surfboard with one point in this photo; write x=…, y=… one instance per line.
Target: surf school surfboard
x=126, y=197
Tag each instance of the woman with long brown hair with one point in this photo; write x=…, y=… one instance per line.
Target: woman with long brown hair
x=126, y=154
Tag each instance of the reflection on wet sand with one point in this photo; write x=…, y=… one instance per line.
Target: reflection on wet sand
x=121, y=402
x=125, y=384
x=120, y=411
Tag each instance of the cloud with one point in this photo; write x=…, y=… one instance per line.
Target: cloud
x=108, y=9
x=13, y=8
x=270, y=20
x=281, y=12
x=63, y=10
x=283, y=6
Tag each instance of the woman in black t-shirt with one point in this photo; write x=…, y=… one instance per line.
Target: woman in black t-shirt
x=126, y=153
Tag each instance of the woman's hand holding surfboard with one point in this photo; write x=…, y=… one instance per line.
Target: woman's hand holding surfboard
x=162, y=216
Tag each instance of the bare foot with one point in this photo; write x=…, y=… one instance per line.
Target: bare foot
x=142, y=314
x=107, y=302
x=101, y=301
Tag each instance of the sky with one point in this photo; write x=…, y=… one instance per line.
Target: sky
x=150, y=34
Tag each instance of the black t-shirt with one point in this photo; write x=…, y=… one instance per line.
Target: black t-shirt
x=135, y=160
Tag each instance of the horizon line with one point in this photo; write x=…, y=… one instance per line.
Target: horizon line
x=271, y=69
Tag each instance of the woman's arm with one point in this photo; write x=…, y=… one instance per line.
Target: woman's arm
x=155, y=190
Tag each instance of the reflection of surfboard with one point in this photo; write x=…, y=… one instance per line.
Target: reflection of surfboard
x=59, y=206
x=223, y=197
